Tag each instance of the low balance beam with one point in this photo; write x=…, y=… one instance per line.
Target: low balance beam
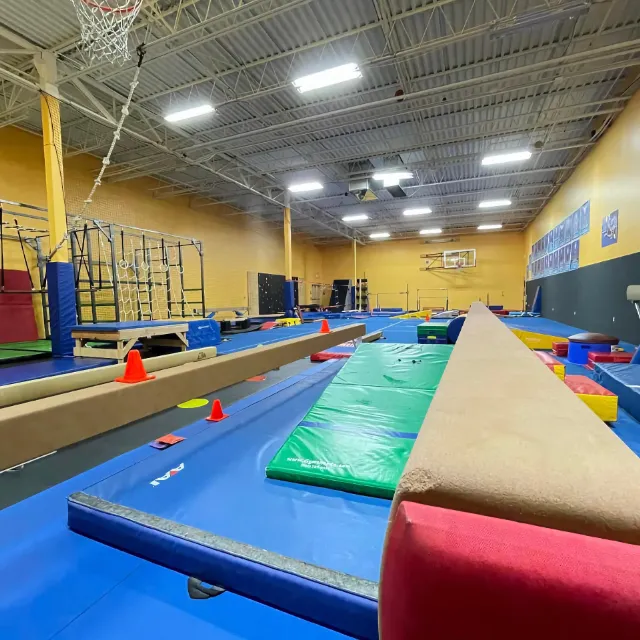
x=54, y=385
x=36, y=428
x=505, y=439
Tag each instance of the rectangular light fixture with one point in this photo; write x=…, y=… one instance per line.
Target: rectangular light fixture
x=492, y=204
x=504, y=158
x=186, y=114
x=328, y=77
x=489, y=227
x=392, y=178
x=430, y=232
x=417, y=212
x=535, y=17
x=305, y=186
x=396, y=175
x=356, y=217
x=380, y=235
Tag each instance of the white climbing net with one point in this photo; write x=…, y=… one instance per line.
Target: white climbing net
x=149, y=278
x=105, y=26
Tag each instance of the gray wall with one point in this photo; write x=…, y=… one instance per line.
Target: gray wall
x=593, y=298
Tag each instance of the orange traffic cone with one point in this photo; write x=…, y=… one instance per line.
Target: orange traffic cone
x=134, y=371
x=324, y=327
x=216, y=412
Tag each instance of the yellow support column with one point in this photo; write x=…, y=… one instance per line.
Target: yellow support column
x=289, y=286
x=60, y=276
x=356, y=301
x=52, y=143
x=288, y=257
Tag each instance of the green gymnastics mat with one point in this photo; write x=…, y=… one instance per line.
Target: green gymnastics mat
x=39, y=346
x=358, y=435
x=16, y=351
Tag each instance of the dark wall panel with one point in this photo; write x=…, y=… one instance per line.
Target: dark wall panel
x=271, y=293
x=593, y=298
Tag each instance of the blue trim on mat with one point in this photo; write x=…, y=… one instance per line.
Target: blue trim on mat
x=345, y=612
x=359, y=431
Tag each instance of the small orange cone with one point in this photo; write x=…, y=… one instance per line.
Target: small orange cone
x=134, y=371
x=216, y=412
x=324, y=327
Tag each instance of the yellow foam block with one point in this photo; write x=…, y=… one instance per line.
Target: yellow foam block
x=287, y=322
x=537, y=340
x=559, y=370
x=425, y=313
x=605, y=407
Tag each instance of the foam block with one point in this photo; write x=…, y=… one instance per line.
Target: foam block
x=535, y=340
x=552, y=364
x=613, y=356
x=624, y=381
x=448, y=574
x=560, y=348
x=601, y=401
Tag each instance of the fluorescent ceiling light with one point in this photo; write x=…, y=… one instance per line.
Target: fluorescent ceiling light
x=430, y=232
x=379, y=235
x=305, y=186
x=535, y=17
x=397, y=175
x=392, y=178
x=328, y=77
x=193, y=112
x=492, y=204
x=489, y=227
x=417, y=212
x=503, y=158
x=356, y=217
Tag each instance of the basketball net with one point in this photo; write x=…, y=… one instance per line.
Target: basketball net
x=105, y=27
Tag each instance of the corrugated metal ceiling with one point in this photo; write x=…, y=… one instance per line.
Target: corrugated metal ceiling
x=553, y=88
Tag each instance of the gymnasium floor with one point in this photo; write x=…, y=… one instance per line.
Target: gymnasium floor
x=56, y=584
x=20, y=371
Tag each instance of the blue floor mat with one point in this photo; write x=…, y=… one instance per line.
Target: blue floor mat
x=21, y=372
x=225, y=466
x=390, y=327
x=54, y=583
x=542, y=325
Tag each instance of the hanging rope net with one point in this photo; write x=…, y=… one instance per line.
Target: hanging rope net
x=105, y=27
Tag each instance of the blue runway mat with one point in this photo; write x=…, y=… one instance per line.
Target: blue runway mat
x=339, y=531
x=83, y=589
x=542, y=325
x=394, y=330
x=551, y=328
x=21, y=372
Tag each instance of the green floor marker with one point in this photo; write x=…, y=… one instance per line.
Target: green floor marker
x=194, y=404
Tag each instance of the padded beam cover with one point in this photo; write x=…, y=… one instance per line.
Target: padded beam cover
x=503, y=438
x=455, y=575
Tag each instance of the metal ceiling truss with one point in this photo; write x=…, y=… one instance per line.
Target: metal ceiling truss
x=549, y=89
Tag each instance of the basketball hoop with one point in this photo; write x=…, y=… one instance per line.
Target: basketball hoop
x=105, y=27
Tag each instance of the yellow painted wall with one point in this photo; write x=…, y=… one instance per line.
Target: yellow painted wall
x=608, y=177
x=390, y=266
x=233, y=244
